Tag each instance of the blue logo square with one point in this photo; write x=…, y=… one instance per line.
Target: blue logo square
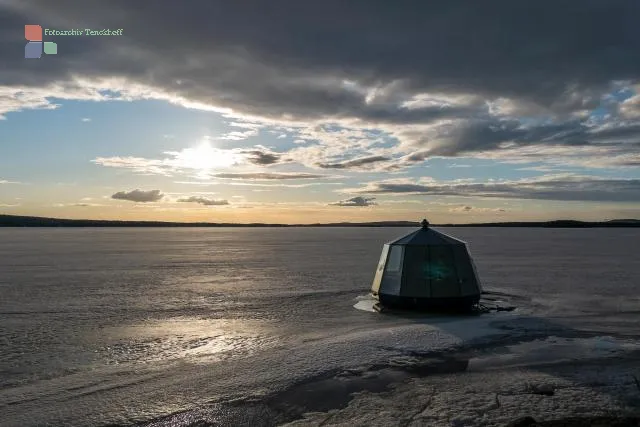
x=33, y=50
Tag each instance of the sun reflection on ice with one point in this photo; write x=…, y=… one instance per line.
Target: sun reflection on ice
x=185, y=338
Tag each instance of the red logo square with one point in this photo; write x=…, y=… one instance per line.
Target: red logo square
x=33, y=33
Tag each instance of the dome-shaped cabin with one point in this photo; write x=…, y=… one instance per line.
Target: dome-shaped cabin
x=427, y=269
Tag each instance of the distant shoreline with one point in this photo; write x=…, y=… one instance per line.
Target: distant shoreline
x=32, y=221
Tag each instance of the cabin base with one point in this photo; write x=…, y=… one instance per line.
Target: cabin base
x=457, y=305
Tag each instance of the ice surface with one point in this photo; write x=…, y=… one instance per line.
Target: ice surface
x=482, y=399
x=255, y=326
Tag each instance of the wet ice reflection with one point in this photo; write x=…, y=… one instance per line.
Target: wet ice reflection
x=185, y=338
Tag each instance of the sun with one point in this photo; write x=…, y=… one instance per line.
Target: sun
x=204, y=157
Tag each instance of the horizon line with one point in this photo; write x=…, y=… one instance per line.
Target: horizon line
x=38, y=221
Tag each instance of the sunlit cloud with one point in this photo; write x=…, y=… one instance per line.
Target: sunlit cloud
x=78, y=205
x=257, y=183
x=203, y=159
x=268, y=176
x=16, y=98
x=238, y=135
x=138, y=165
x=204, y=201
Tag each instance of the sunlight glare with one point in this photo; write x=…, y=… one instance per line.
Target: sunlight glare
x=205, y=157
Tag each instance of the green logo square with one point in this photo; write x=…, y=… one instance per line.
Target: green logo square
x=50, y=48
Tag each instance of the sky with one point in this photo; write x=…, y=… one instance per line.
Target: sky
x=294, y=111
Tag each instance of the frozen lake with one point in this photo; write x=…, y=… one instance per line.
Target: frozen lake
x=236, y=326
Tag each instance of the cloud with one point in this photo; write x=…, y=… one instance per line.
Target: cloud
x=257, y=183
x=261, y=156
x=355, y=163
x=630, y=108
x=376, y=63
x=77, y=205
x=202, y=158
x=266, y=176
x=238, y=136
x=467, y=208
x=552, y=187
x=139, y=196
x=86, y=119
x=4, y=181
x=406, y=74
x=548, y=169
x=204, y=201
x=356, y=201
x=578, y=142
x=137, y=164
x=262, y=69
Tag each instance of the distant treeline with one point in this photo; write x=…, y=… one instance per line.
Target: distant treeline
x=555, y=224
x=32, y=221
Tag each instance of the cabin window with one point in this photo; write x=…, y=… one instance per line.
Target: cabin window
x=383, y=258
x=440, y=263
x=394, y=263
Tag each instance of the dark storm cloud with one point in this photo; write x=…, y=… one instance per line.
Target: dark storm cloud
x=204, y=201
x=139, y=196
x=355, y=163
x=356, y=202
x=289, y=57
x=557, y=188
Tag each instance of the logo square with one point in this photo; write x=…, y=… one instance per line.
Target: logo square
x=50, y=48
x=33, y=50
x=33, y=33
